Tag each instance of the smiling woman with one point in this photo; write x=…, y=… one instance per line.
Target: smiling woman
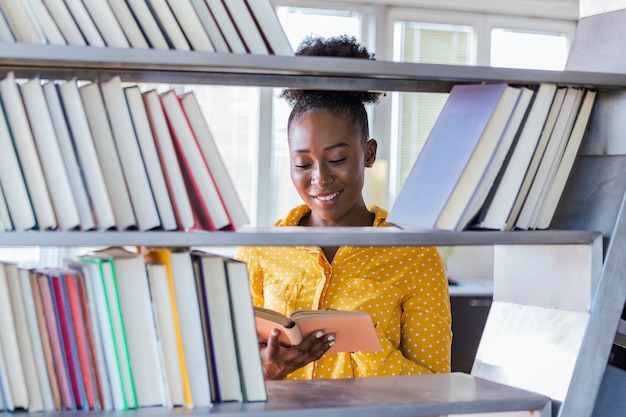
x=404, y=289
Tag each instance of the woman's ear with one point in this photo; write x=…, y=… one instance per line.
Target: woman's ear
x=370, y=152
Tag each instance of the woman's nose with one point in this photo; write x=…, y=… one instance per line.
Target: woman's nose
x=321, y=176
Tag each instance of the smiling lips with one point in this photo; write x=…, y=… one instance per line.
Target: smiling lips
x=327, y=198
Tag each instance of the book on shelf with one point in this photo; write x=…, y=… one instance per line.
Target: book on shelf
x=6, y=33
x=107, y=24
x=191, y=25
x=169, y=162
x=471, y=191
x=168, y=24
x=245, y=25
x=68, y=154
x=210, y=25
x=5, y=218
x=25, y=29
x=270, y=27
x=177, y=350
x=214, y=279
x=130, y=157
x=48, y=26
x=23, y=339
x=22, y=216
x=47, y=144
x=566, y=163
x=167, y=339
x=87, y=155
x=499, y=203
x=150, y=155
x=550, y=158
x=219, y=172
x=85, y=23
x=46, y=340
x=65, y=22
x=129, y=24
x=458, y=131
x=226, y=26
x=203, y=193
x=27, y=153
x=354, y=330
x=250, y=367
x=6, y=400
x=148, y=24
x=108, y=156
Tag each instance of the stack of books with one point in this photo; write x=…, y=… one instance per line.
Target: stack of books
x=498, y=157
x=117, y=330
x=229, y=26
x=108, y=156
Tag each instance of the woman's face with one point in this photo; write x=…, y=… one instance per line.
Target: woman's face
x=328, y=160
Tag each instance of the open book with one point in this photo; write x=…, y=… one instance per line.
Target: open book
x=354, y=330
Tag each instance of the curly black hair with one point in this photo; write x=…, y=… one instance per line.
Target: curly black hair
x=344, y=103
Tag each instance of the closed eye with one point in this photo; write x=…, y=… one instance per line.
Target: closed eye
x=337, y=161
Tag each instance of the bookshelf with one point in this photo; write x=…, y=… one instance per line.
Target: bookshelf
x=580, y=222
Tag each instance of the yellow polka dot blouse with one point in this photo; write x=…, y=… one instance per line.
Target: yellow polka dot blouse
x=404, y=289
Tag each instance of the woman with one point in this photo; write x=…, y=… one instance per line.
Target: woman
x=404, y=289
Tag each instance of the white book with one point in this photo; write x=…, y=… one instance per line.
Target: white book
x=246, y=26
x=211, y=153
x=107, y=24
x=27, y=153
x=215, y=283
x=204, y=194
x=12, y=182
x=500, y=203
x=108, y=156
x=7, y=400
x=150, y=155
x=160, y=290
x=130, y=157
x=35, y=337
x=24, y=341
x=85, y=23
x=10, y=347
x=191, y=327
x=139, y=326
x=68, y=154
x=65, y=22
x=226, y=26
x=210, y=25
x=18, y=16
x=269, y=25
x=551, y=156
x=87, y=155
x=6, y=32
x=567, y=161
x=128, y=23
x=148, y=24
x=169, y=163
x=50, y=154
x=99, y=276
x=5, y=217
x=86, y=272
x=164, y=15
x=48, y=26
x=191, y=25
x=250, y=366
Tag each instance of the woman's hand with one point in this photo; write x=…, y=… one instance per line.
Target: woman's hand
x=278, y=360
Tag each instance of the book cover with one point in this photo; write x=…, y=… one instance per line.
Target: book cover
x=42, y=17
x=85, y=23
x=46, y=142
x=269, y=25
x=130, y=157
x=210, y=25
x=24, y=28
x=65, y=22
x=226, y=26
x=455, y=135
x=248, y=355
x=6, y=32
x=150, y=157
x=108, y=156
x=129, y=25
x=5, y=218
x=213, y=272
x=354, y=330
x=6, y=402
x=201, y=187
x=168, y=23
x=191, y=25
x=246, y=27
x=148, y=24
x=107, y=24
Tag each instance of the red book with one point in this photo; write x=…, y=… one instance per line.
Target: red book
x=55, y=342
x=203, y=193
x=80, y=334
